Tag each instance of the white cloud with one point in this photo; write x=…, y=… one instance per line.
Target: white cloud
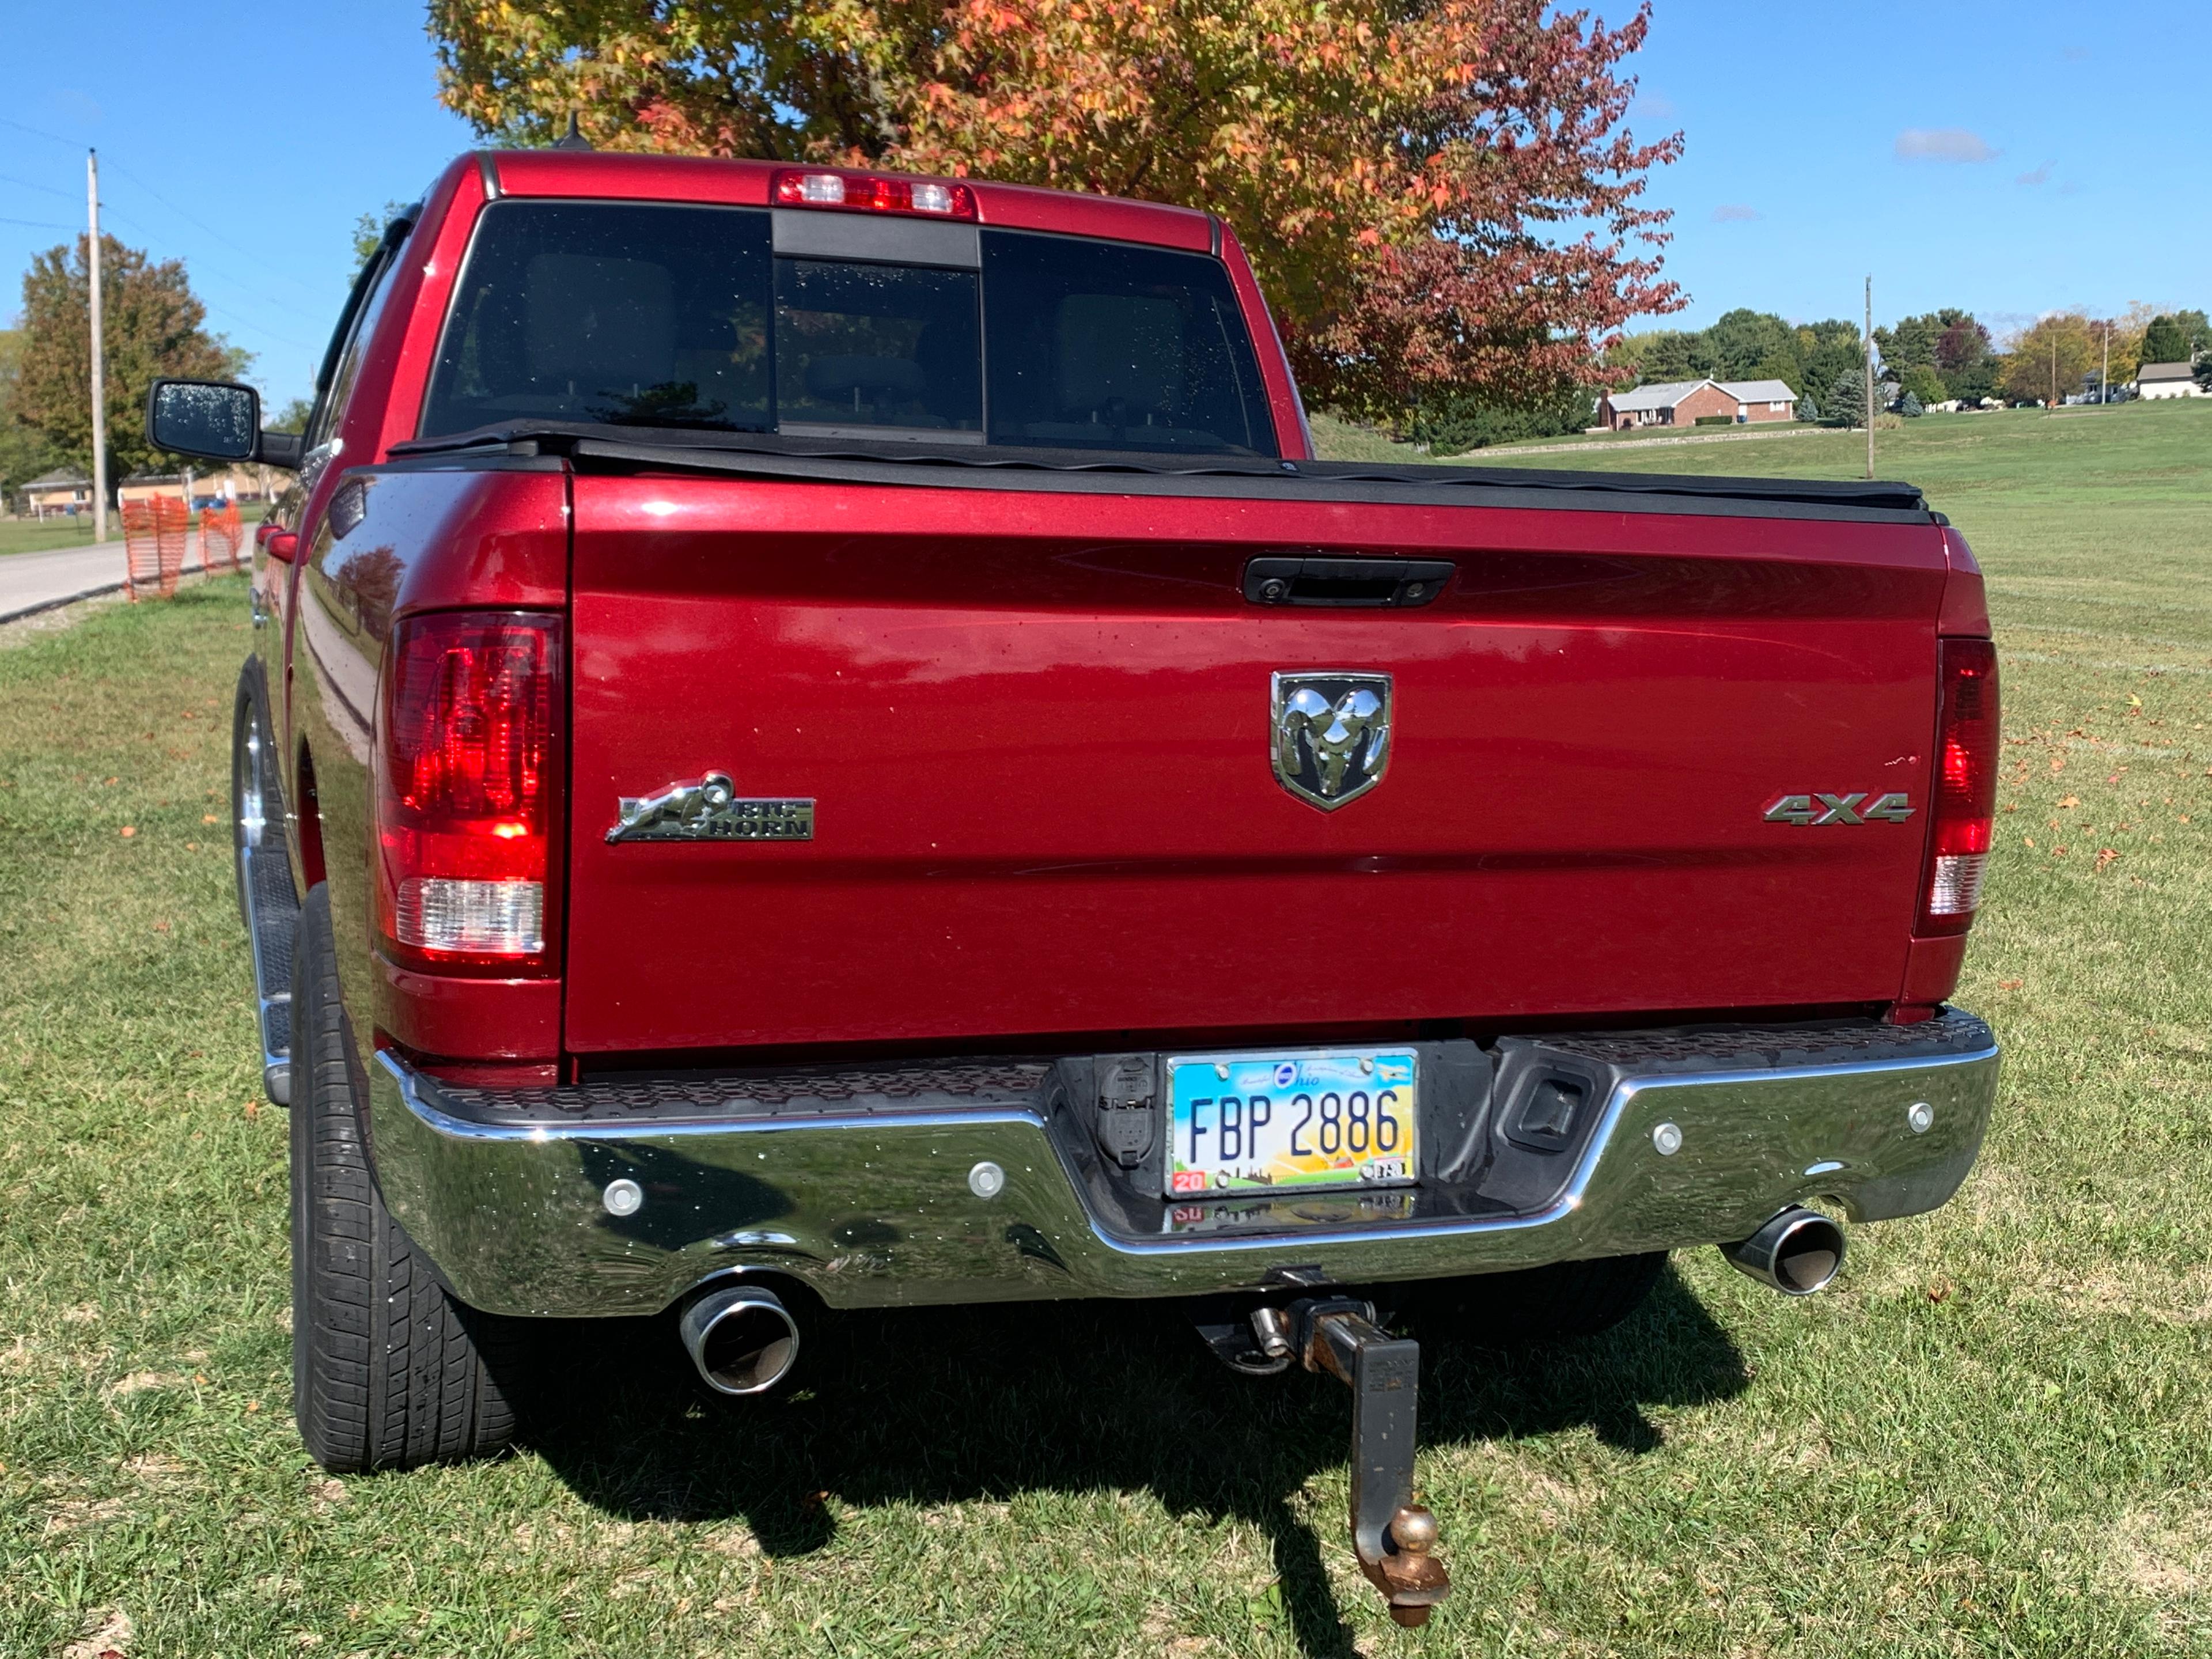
x=1656, y=105
x=2040, y=176
x=1943, y=145
x=1730, y=213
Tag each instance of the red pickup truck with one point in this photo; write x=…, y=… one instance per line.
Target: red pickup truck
x=820, y=739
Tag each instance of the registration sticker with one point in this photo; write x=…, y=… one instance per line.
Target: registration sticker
x=1322, y=1118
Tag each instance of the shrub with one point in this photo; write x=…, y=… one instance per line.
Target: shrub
x=1452, y=423
x=1716, y=420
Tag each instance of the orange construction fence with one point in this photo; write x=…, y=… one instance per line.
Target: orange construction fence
x=154, y=535
x=221, y=537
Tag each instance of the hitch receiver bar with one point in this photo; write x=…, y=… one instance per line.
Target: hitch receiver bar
x=1394, y=1536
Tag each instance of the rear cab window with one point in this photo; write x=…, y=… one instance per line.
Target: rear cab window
x=713, y=319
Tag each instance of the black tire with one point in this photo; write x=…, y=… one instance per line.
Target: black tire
x=388, y=1370
x=1558, y=1302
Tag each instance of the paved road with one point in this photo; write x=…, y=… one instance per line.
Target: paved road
x=31, y=582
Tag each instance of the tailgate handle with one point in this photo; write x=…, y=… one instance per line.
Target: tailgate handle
x=1345, y=583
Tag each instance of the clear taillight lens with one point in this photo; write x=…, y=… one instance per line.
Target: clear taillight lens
x=1966, y=786
x=467, y=786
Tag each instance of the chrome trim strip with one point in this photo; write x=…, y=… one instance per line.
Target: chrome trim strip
x=876, y=1210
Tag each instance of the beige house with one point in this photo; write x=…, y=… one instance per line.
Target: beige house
x=1681, y=403
x=237, y=483
x=59, y=492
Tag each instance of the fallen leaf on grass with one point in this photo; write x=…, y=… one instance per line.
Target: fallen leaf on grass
x=209, y=817
x=2010, y=984
x=252, y=1111
x=1940, y=1291
x=2105, y=856
x=129, y=830
x=2070, y=800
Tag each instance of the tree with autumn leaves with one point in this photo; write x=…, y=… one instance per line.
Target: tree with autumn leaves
x=1435, y=193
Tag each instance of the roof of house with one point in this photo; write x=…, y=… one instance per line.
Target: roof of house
x=60, y=477
x=2165, y=371
x=1668, y=393
x=1759, y=392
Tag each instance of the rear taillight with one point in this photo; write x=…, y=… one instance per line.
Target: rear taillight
x=1966, y=786
x=467, y=791
x=868, y=193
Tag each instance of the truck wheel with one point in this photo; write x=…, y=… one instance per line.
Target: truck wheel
x=388, y=1370
x=1564, y=1300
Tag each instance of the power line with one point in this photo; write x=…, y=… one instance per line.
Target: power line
x=9, y=179
x=206, y=264
x=202, y=224
x=38, y=224
x=41, y=132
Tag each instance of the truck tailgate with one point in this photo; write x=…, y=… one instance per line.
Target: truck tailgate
x=1038, y=732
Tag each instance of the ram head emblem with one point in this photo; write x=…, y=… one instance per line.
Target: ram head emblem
x=1332, y=735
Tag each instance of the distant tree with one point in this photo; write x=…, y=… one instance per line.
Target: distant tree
x=1925, y=386
x=2048, y=361
x=152, y=328
x=1743, y=340
x=1963, y=342
x=1442, y=195
x=1672, y=354
x=24, y=453
x=1846, y=402
x=2197, y=329
x=1910, y=406
x=1827, y=349
x=293, y=417
x=1808, y=407
x=2166, y=341
x=368, y=231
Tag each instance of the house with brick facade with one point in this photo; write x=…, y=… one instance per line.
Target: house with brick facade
x=1682, y=402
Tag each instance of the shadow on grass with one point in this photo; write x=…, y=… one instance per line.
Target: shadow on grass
x=970, y=1404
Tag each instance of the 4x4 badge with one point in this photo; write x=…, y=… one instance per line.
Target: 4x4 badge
x=1818, y=809
x=1332, y=735
x=711, y=810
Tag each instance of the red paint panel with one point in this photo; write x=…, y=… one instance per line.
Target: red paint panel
x=1965, y=601
x=685, y=178
x=1931, y=970
x=472, y=1018
x=1037, y=730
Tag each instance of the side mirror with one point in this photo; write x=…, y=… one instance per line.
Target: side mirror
x=212, y=419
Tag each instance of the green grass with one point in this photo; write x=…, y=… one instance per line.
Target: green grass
x=1994, y=1436
x=30, y=536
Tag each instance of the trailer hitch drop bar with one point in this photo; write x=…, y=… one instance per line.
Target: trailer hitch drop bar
x=1394, y=1537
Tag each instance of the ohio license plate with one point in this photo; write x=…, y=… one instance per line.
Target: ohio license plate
x=1338, y=1117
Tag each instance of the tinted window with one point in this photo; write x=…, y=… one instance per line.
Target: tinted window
x=870, y=346
x=627, y=316
x=1120, y=347
x=635, y=315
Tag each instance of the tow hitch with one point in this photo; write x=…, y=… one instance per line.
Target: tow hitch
x=1394, y=1537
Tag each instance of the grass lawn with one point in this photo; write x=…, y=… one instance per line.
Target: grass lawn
x=30, y=536
x=1994, y=1436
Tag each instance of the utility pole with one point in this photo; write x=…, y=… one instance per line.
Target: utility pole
x=2105, y=375
x=1868, y=373
x=99, y=366
x=2054, y=368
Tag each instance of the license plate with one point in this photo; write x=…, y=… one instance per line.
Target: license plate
x=1270, y=1122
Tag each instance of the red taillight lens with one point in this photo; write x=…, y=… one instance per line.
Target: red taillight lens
x=867, y=192
x=467, y=791
x=1966, y=786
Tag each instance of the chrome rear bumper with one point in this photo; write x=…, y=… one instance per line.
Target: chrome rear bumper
x=874, y=1207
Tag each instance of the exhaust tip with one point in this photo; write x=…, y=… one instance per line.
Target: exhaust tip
x=742, y=1338
x=1796, y=1252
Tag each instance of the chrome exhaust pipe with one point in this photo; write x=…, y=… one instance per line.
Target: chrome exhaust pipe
x=1797, y=1252
x=741, y=1337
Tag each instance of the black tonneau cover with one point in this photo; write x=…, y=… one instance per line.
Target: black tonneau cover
x=1085, y=472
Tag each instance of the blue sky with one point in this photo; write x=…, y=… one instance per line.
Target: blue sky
x=2012, y=158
